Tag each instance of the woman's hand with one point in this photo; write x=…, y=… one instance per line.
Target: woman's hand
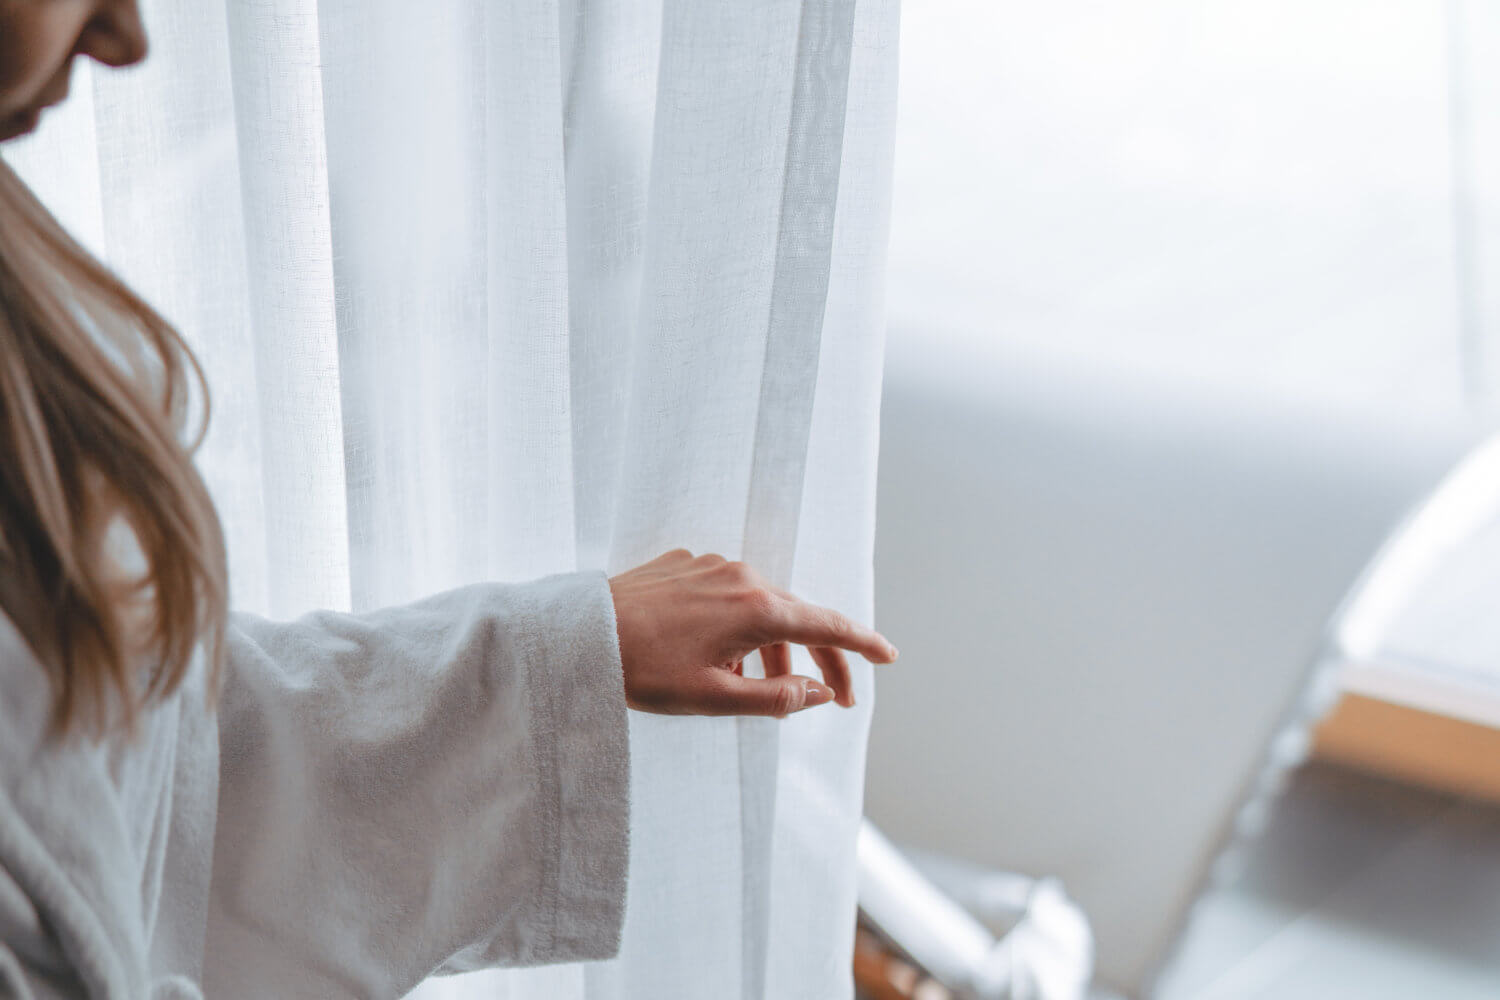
x=686, y=625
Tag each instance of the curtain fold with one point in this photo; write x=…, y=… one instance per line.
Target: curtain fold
x=496, y=290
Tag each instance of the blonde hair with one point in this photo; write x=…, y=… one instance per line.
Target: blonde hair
x=93, y=436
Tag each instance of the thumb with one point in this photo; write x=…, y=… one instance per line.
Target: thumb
x=726, y=693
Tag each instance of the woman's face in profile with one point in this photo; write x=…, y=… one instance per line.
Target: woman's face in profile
x=38, y=40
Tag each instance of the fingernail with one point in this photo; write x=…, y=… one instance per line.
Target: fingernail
x=817, y=694
x=893, y=651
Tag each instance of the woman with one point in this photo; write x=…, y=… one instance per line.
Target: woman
x=196, y=803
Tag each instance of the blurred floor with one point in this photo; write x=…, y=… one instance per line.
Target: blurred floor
x=1360, y=889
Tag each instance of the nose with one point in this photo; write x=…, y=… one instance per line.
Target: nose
x=115, y=35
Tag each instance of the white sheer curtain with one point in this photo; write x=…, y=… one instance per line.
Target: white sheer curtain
x=491, y=290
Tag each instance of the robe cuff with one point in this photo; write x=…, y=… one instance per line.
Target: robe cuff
x=582, y=739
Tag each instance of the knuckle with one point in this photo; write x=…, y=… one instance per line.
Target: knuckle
x=758, y=602
x=837, y=626
x=711, y=559
x=678, y=554
x=785, y=700
x=738, y=572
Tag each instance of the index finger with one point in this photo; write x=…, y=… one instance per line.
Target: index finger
x=810, y=625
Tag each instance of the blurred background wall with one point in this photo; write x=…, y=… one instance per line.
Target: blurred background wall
x=1191, y=304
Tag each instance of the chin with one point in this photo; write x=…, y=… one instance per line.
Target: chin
x=19, y=124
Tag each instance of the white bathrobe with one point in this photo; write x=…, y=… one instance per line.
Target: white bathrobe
x=436, y=787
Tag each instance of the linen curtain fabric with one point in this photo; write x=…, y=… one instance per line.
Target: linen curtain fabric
x=493, y=290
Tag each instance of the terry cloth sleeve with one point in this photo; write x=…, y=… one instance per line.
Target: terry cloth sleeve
x=434, y=787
